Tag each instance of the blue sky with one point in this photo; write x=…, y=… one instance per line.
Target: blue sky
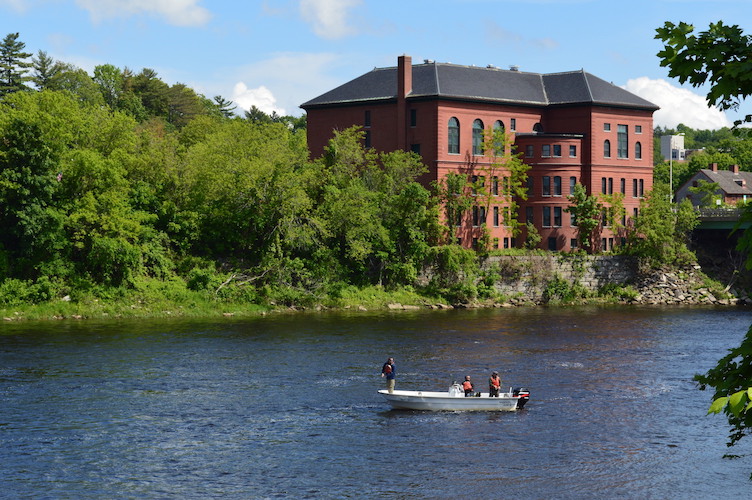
x=278, y=54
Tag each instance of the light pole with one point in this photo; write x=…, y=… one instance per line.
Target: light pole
x=671, y=167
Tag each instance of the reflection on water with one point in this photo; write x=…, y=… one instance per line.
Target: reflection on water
x=287, y=407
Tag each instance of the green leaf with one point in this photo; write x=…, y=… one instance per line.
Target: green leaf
x=718, y=405
x=737, y=402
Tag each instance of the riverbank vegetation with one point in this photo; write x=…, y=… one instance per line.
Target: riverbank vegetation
x=121, y=195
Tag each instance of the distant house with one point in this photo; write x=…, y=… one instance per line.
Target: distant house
x=570, y=128
x=733, y=185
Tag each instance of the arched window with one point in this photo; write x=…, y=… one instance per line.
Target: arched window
x=607, y=149
x=498, y=140
x=538, y=128
x=638, y=151
x=477, y=137
x=454, y=136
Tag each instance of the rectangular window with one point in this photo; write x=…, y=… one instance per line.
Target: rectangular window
x=546, y=185
x=496, y=216
x=607, y=127
x=603, y=185
x=642, y=188
x=557, y=185
x=506, y=242
x=638, y=129
x=557, y=150
x=603, y=244
x=505, y=188
x=610, y=185
x=557, y=216
x=413, y=117
x=573, y=151
x=622, y=147
x=573, y=220
x=529, y=215
x=495, y=186
x=513, y=124
x=415, y=148
x=367, y=139
x=529, y=151
x=546, y=150
x=506, y=217
x=530, y=186
x=573, y=243
x=367, y=119
x=552, y=243
x=572, y=184
x=546, y=216
x=623, y=186
x=634, y=188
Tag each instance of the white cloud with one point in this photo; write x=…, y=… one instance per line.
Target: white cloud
x=261, y=97
x=328, y=17
x=280, y=83
x=678, y=105
x=15, y=5
x=177, y=12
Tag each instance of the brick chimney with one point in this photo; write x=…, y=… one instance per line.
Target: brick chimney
x=404, y=87
x=404, y=76
x=714, y=167
x=735, y=169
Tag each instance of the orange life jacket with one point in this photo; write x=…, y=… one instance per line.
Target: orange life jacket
x=496, y=382
x=467, y=385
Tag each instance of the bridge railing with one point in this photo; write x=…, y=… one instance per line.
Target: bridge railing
x=708, y=214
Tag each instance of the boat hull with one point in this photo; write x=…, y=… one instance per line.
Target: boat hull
x=444, y=401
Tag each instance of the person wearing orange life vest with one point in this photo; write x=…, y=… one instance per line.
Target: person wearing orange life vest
x=494, y=384
x=388, y=372
x=468, y=386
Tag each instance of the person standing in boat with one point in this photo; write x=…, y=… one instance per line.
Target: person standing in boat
x=388, y=372
x=468, y=386
x=494, y=385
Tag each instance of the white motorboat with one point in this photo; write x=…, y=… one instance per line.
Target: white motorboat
x=455, y=400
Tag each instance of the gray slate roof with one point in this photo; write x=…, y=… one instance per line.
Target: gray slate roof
x=726, y=180
x=451, y=81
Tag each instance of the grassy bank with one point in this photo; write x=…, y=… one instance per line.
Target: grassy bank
x=156, y=299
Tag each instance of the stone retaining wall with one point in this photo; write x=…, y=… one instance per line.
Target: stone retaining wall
x=525, y=278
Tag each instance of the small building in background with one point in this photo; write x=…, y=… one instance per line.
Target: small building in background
x=672, y=147
x=734, y=186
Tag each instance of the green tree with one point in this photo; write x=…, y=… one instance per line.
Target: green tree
x=110, y=82
x=586, y=210
x=46, y=70
x=13, y=65
x=661, y=230
x=718, y=58
x=225, y=107
x=31, y=223
x=708, y=192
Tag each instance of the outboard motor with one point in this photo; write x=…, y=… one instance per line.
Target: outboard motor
x=523, y=395
x=456, y=391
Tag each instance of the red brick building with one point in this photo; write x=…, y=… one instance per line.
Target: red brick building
x=568, y=127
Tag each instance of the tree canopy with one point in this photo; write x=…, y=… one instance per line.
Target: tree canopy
x=721, y=58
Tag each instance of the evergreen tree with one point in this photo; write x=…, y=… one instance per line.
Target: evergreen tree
x=46, y=70
x=13, y=65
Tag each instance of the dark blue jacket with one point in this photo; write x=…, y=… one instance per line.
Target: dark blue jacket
x=389, y=375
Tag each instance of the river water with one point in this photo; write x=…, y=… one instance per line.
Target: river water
x=286, y=407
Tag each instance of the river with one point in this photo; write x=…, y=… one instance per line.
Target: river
x=286, y=406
